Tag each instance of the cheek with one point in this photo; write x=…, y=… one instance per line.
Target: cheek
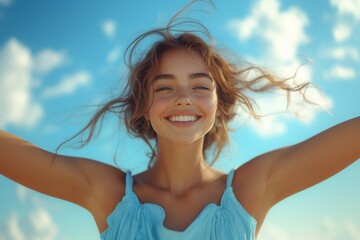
x=213, y=106
x=213, y=102
x=157, y=107
x=210, y=105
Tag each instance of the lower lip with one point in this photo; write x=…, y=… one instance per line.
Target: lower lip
x=183, y=124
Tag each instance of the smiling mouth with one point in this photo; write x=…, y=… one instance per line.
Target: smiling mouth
x=183, y=118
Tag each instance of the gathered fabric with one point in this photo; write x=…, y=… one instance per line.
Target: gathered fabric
x=132, y=219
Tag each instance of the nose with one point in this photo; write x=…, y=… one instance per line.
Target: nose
x=183, y=99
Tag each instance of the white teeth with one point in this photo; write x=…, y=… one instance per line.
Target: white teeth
x=186, y=118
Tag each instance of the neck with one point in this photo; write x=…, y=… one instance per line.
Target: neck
x=179, y=166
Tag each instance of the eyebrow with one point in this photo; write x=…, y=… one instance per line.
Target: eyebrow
x=190, y=76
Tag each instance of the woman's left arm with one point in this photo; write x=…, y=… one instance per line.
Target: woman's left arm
x=295, y=168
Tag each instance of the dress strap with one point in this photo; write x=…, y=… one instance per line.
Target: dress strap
x=128, y=183
x=230, y=178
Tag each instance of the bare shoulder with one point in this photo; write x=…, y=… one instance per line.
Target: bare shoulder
x=107, y=181
x=249, y=186
x=107, y=177
x=108, y=188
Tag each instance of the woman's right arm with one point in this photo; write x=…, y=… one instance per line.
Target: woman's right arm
x=77, y=180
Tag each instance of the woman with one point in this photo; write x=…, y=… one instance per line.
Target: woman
x=179, y=98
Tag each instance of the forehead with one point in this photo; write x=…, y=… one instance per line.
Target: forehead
x=181, y=60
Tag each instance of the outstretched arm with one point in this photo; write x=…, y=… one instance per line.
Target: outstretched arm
x=69, y=178
x=295, y=168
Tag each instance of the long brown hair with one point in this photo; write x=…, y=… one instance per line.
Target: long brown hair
x=233, y=83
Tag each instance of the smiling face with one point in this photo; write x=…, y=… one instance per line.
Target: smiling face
x=184, y=100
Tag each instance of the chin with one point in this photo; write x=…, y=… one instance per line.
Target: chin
x=178, y=139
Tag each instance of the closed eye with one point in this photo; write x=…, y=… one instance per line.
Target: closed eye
x=163, y=89
x=201, y=88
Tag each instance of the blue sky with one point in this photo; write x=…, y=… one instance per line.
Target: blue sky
x=57, y=58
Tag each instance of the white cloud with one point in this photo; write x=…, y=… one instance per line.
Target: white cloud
x=245, y=28
x=49, y=59
x=353, y=229
x=341, y=73
x=21, y=192
x=344, y=53
x=346, y=20
x=341, y=32
x=6, y=2
x=18, y=68
x=268, y=126
x=14, y=228
x=113, y=55
x=273, y=109
x=43, y=225
x=109, y=28
x=17, y=104
x=327, y=229
x=38, y=226
x=282, y=31
x=68, y=84
x=335, y=230
x=347, y=7
x=272, y=232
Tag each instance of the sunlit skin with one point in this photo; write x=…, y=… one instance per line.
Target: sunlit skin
x=182, y=86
